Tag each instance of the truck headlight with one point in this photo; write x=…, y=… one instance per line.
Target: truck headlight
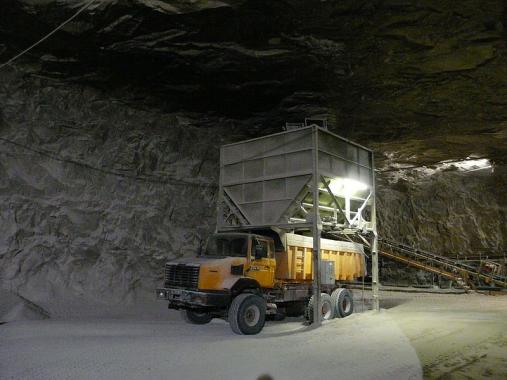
x=200, y=299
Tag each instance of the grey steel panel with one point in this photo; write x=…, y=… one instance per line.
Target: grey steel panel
x=294, y=185
x=253, y=192
x=265, y=201
x=341, y=158
x=266, y=178
x=254, y=212
x=274, y=209
x=299, y=161
x=274, y=165
x=232, y=153
x=365, y=176
x=365, y=158
x=275, y=189
x=232, y=172
x=327, y=272
x=267, y=145
x=298, y=139
x=236, y=192
x=253, y=168
x=266, y=212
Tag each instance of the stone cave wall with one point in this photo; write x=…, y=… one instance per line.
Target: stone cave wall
x=451, y=213
x=96, y=196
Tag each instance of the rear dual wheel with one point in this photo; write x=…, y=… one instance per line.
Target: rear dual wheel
x=338, y=305
x=327, y=311
x=342, y=302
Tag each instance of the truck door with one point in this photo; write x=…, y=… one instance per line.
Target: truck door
x=262, y=262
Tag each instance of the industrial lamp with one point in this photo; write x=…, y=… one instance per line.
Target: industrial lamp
x=346, y=187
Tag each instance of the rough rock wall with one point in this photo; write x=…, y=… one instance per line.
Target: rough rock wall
x=95, y=196
x=452, y=212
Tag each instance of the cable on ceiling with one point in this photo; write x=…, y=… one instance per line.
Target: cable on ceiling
x=79, y=11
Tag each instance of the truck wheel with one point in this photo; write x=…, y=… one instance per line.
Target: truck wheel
x=342, y=302
x=247, y=314
x=327, y=311
x=195, y=317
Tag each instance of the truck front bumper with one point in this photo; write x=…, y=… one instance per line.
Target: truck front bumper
x=194, y=299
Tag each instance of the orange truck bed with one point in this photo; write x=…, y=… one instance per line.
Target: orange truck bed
x=296, y=262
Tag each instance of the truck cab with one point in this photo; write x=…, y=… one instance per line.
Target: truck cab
x=229, y=257
x=231, y=263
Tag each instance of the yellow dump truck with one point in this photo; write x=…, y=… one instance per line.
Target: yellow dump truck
x=244, y=276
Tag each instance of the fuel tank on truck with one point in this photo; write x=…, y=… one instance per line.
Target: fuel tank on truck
x=295, y=263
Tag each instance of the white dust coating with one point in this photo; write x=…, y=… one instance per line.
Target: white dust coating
x=364, y=346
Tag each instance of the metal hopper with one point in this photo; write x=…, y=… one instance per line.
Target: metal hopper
x=267, y=182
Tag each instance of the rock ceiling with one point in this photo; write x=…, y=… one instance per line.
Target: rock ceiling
x=420, y=81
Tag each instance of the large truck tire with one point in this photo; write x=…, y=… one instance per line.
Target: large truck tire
x=327, y=311
x=247, y=314
x=342, y=302
x=195, y=317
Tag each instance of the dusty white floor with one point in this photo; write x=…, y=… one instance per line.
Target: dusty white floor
x=438, y=336
x=455, y=336
x=363, y=346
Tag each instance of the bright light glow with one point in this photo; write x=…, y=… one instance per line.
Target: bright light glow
x=346, y=186
x=470, y=164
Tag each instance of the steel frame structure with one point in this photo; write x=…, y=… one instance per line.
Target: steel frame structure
x=285, y=180
x=465, y=275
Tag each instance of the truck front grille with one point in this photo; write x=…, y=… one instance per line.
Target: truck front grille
x=181, y=275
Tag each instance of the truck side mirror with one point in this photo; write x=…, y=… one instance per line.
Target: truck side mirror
x=203, y=245
x=260, y=251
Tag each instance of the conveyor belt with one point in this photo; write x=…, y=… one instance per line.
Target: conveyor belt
x=465, y=275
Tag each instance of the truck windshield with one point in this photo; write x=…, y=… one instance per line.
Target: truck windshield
x=227, y=246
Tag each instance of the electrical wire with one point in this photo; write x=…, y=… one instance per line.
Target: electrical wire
x=163, y=180
x=80, y=10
